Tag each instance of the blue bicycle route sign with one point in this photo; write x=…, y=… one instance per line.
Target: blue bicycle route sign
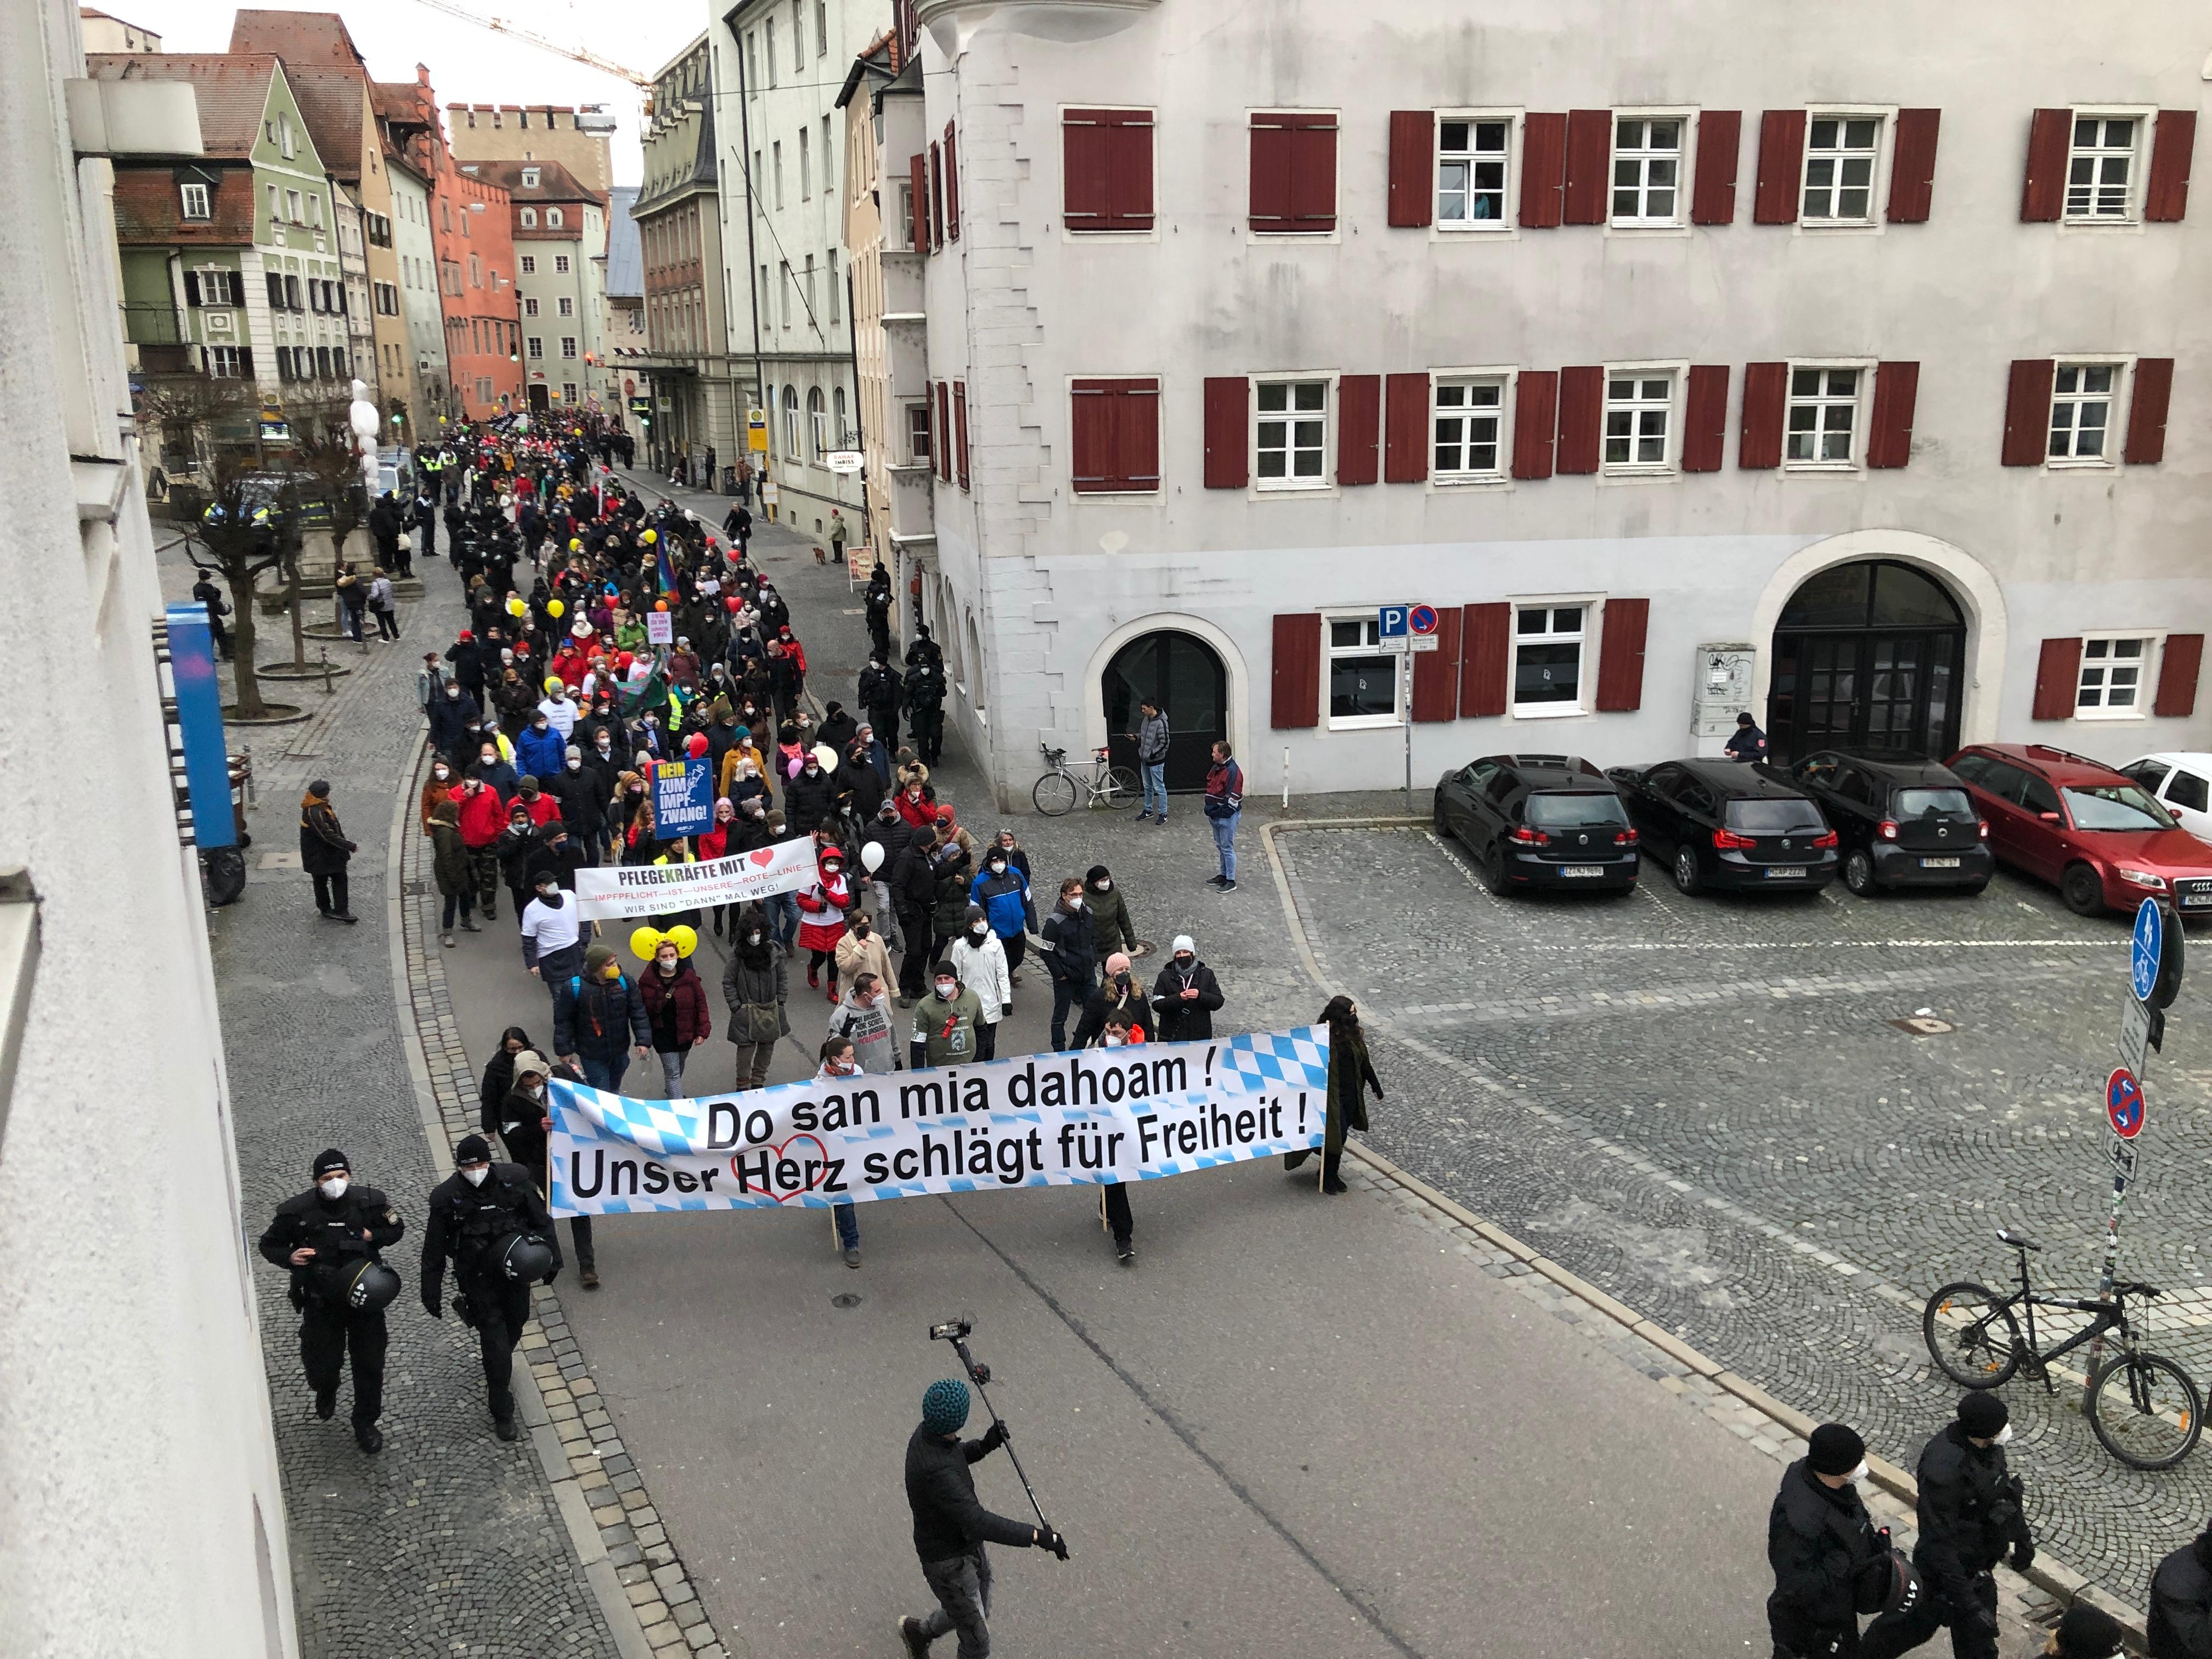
x=2145, y=947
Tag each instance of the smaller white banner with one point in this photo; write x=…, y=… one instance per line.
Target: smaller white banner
x=650, y=890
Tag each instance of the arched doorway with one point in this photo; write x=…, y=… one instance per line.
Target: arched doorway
x=1182, y=673
x=1869, y=656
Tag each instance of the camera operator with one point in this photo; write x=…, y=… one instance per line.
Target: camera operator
x=951, y=1526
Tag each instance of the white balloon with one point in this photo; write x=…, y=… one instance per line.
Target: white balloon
x=872, y=857
x=827, y=755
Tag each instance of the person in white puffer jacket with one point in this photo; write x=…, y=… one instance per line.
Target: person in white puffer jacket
x=981, y=961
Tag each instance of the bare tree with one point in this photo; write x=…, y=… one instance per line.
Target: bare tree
x=323, y=444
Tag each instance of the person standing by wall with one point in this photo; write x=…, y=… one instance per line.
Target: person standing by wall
x=1224, y=805
x=1152, y=740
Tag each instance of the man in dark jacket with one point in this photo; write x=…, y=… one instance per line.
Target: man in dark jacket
x=879, y=692
x=583, y=803
x=925, y=708
x=951, y=1526
x=1070, y=949
x=473, y=1212
x=2181, y=1625
x=599, y=1018
x=1970, y=1516
x=1824, y=1548
x=913, y=893
x=319, y=1235
x=455, y=718
x=808, y=798
x=1184, y=996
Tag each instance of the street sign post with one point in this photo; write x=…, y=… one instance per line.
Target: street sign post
x=2141, y=1030
x=2123, y=1103
x=1404, y=630
x=2146, y=947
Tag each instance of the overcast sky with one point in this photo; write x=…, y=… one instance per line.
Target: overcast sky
x=472, y=65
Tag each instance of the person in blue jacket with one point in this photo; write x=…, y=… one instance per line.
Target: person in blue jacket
x=540, y=751
x=599, y=1019
x=1003, y=890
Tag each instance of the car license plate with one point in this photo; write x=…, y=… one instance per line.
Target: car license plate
x=1785, y=872
x=1938, y=864
x=2194, y=899
x=1599, y=870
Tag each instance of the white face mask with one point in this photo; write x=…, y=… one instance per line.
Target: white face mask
x=1858, y=1474
x=1105, y=886
x=980, y=929
x=998, y=866
x=2003, y=1436
x=335, y=1187
x=575, y=765
x=1112, y=1041
x=947, y=988
x=476, y=1177
x=1075, y=902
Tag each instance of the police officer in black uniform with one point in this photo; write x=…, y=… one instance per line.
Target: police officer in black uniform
x=321, y=1235
x=925, y=706
x=474, y=1213
x=1831, y=1562
x=1970, y=1516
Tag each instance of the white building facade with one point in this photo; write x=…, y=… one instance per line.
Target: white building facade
x=1732, y=359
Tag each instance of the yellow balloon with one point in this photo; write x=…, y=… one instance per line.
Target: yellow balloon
x=516, y=608
x=650, y=537
x=685, y=940
x=554, y=607
x=575, y=545
x=643, y=942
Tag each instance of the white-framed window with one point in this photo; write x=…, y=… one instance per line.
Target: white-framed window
x=806, y=165
x=554, y=218
x=560, y=263
x=1647, y=169
x=769, y=30
x=284, y=136
x=529, y=216
x=1840, y=153
x=1823, y=417
x=194, y=201
x=483, y=388
x=1290, y=435
x=791, y=424
x=1363, y=679
x=292, y=208
x=2082, y=399
x=1547, y=658
x=1469, y=427
x=2112, y=683
x=783, y=291
x=222, y=363
x=2100, y=168
x=1639, y=419
x=903, y=193
x=535, y=345
x=567, y=391
x=836, y=288
x=315, y=212
x=1473, y=157
x=530, y=178
x=568, y=345
x=567, y=306
x=818, y=418
x=776, y=153
x=529, y=306
x=529, y=264
x=276, y=205
x=917, y=433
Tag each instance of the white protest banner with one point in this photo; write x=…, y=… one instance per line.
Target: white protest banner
x=653, y=890
x=659, y=628
x=1085, y=1117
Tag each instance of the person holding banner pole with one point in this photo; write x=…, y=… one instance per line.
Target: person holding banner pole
x=840, y=1063
x=981, y=962
x=598, y=1018
x=1350, y=1074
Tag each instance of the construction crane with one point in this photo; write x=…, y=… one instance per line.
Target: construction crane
x=499, y=25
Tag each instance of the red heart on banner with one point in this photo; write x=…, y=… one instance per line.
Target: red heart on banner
x=775, y=1154
x=763, y=857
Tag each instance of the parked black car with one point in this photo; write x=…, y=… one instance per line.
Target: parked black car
x=1540, y=821
x=1719, y=824
x=1900, y=822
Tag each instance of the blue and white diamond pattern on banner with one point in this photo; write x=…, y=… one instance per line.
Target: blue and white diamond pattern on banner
x=1100, y=1115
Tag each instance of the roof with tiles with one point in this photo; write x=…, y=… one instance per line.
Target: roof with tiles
x=232, y=89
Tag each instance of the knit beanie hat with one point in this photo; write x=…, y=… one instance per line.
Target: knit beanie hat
x=2087, y=1633
x=1981, y=1415
x=596, y=960
x=1836, y=1449
x=945, y=1405
x=473, y=1149
x=333, y=1160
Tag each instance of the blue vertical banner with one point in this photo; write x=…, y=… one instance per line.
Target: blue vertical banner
x=682, y=798
x=199, y=717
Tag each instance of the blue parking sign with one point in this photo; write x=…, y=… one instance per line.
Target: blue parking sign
x=1390, y=621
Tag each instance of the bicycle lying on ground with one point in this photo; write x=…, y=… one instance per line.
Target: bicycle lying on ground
x=1114, y=787
x=2143, y=1406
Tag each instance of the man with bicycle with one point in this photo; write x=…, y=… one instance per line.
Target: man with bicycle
x=1970, y=1516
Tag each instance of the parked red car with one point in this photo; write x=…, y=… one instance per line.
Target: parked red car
x=2074, y=821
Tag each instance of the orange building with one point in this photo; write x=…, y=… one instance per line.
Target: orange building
x=472, y=229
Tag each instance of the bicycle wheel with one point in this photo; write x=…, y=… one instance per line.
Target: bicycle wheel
x=1121, y=790
x=2146, y=1411
x=1971, y=1335
x=1054, y=794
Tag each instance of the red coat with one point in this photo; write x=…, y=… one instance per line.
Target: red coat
x=920, y=814
x=571, y=665
x=822, y=912
x=484, y=818
x=544, y=810
x=693, y=1020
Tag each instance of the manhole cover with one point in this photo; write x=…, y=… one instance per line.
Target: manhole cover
x=1924, y=1025
x=1141, y=949
x=845, y=1299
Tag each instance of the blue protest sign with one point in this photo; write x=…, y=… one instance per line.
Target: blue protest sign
x=682, y=798
x=2145, y=947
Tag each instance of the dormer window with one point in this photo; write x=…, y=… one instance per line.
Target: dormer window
x=530, y=178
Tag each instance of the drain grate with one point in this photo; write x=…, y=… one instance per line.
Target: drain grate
x=845, y=1299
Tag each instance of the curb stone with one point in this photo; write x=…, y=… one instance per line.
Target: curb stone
x=2060, y=1584
x=640, y=1585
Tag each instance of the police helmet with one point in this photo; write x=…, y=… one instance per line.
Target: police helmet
x=525, y=1259
x=364, y=1286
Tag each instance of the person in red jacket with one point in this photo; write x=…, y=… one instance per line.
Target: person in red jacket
x=541, y=806
x=822, y=909
x=675, y=1006
x=484, y=819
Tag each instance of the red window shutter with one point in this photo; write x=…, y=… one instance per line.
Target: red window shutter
x=1359, y=427
x=951, y=185
x=936, y=198
x=1412, y=167
x=1713, y=198
x=1543, y=169
x=1092, y=438
x=1228, y=434
x=1620, y=656
x=960, y=427
x=2027, y=413
x=1582, y=418
x=2177, y=677
x=1485, y=657
x=1535, y=406
x=1295, y=671
x=1115, y=426
x=1889, y=436
x=1293, y=173
x=1912, y=166
x=1590, y=163
x=2154, y=390
x=1436, y=674
x=2165, y=198
x=944, y=427
x=2043, y=189
x=1759, y=441
x=1106, y=165
x=1704, y=423
x=2057, y=669
x=1406, y=430
x=1781, y=161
